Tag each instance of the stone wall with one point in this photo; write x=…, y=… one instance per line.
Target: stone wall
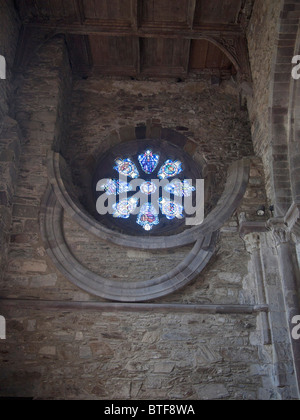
x=94, y=355
x=103, y=354
x=9, y=33
x=41, y=95
x=109, y=110
x=273, y=39
x=262, y=32
x=10, y=136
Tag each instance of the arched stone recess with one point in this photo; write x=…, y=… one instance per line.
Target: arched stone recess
x=235, y=48
x=59, y=199
x=237, y=181
x=57, y=249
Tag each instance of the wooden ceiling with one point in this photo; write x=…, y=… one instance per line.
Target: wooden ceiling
x=151, y=38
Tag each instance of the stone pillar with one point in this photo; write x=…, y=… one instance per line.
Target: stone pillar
x=252, y=241
x=276, y=351
x=290, y=280
x=292, y=220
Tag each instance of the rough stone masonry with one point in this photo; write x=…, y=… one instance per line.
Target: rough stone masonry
x=121, y=354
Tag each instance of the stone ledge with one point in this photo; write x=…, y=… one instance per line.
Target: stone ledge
x=132, y=307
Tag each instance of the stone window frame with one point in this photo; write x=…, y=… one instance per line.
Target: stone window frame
x=59, y=198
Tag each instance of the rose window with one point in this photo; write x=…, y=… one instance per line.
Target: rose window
x=156, y=199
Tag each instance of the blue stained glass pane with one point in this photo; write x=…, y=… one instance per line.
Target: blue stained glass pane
x=127, y=168
x=170, y=209
x=114, y=187
x=180, y=189
x=148, y=161
x=125, y=208
x=170, y=169
x=148, y=217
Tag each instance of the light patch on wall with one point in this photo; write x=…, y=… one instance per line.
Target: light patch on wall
x=296, y=70
x=296, y=329
x=133, y=254
x=2, y=68
x=2, y=328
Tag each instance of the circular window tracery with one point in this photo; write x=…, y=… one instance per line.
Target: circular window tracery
x=166, y=174
x=60, y=199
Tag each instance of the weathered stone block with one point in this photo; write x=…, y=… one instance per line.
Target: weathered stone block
x=48, y=351
x=26, y=212
x=211, y=392
x=164, y=367
x=44, y=281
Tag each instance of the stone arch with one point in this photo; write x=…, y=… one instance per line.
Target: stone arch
x=235, y=50
x=225, y=50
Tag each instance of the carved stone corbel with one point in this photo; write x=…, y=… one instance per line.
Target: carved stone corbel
x=235, y=47
x=292, y=220
x=252, y=242
x=280, y=231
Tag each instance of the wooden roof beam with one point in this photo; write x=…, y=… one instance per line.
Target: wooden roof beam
x=153, y=32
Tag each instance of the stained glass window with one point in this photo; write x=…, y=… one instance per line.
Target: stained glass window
x=180, y=189
x=127, y=168
x=170, y=169
x=125, y=208
x=170, y=209
x=148, y=161
x=148, y=217
x=115, y=187
x=155, y=205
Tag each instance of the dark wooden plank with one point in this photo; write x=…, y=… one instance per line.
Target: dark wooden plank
x=78, y=4
x=187, y=56
x=169, y=12
x=164, y=56
x=68, y=9
x=107, y=10
x=135, y=19
x=217, y=11
x=199, y=50
x=80, y=54
x=191, y=13
x=112, y=28
x=214, y=57
x=55, y=10
x=205, y=55
x=114, y=54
